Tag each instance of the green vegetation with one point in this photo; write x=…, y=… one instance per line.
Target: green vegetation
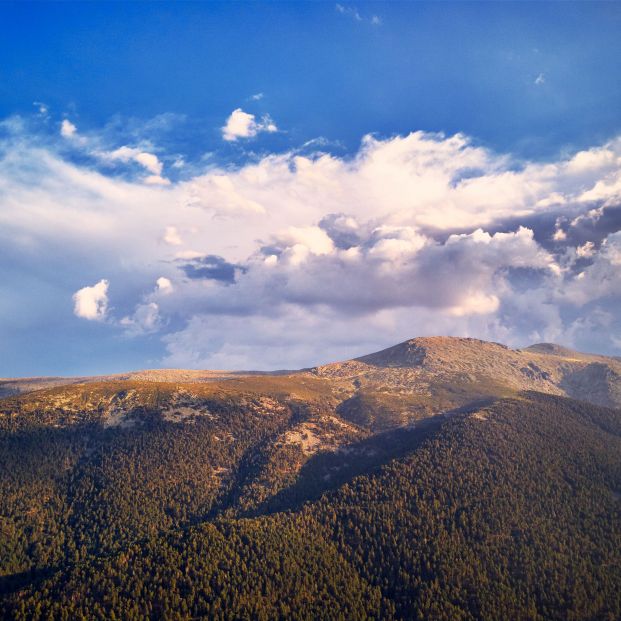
x=510, y=511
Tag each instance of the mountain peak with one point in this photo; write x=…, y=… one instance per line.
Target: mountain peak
x=415, y=351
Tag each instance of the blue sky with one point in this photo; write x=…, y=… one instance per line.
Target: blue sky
x=361, y=137
x=468, y=67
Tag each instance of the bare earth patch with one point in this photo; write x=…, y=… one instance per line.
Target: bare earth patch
x=479, y=416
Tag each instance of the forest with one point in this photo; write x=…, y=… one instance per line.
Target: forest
x=508, y=510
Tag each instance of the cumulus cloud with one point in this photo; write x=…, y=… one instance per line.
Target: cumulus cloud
x=391, y=267
x=301, y=256
x=149, y=161
x=146, y=317
x=68, y=129
x=164, y=285
x=343, y=230
x=600, y=280
x=242, y=124
x=94, y=146
x=91, y=302
x=145, y=320
x=586, y=250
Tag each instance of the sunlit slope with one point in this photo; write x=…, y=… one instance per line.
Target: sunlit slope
x=393, y=387
x=440, y=372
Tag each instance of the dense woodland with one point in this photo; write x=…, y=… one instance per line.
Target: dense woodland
x=510, y=511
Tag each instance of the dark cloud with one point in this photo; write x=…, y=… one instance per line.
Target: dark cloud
x=341, y=229
x=211, y=267
x=580, y=223
x=596, y=226
x=523, y=279
x=270, y=249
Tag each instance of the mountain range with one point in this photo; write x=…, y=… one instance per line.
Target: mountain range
x=442, y=478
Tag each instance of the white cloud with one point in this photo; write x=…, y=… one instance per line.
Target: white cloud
x=149, y=161
x=353, y=13
x=92, y=302
x=335, y=243
x=68, y=129
x=42, y=108
x=283, y=339
x=420, y=179
x=586, y=250
x=156, y=180
x=540, y=79
x=145, y=320
x=475, y=303
x=125, y=154
x=601, y=280
x=188, y=255
x=559, y=235
x=164, y=285
x=242, y=124
x=314, y=239
x=146, y=317
x=391, y=268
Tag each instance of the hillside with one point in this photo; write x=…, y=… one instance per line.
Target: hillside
x=441, y=478
x=429, y=374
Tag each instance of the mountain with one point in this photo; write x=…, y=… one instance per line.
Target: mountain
x=441, y=478
x=429, y=365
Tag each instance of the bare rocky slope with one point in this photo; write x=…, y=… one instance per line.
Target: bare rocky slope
x=413, y=379
x=429, y=366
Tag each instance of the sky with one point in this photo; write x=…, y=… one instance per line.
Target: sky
x=275, y=185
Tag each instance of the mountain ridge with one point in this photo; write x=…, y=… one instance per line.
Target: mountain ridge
x=456, y=354
x=414, y=478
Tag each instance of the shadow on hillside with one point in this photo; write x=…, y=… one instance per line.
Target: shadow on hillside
x=329, y=470
x=12, y=583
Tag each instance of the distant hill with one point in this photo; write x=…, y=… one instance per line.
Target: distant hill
x=441, y=478
x=16, y=386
